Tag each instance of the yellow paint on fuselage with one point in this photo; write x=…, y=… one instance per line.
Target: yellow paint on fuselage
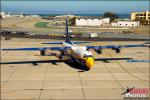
x=88, y=61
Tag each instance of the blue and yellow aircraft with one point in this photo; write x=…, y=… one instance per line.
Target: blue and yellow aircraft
x=72, y=52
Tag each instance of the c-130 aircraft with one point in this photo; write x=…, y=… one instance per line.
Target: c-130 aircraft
x=77, y=54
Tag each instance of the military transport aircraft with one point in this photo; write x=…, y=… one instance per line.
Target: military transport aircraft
x=73, y=53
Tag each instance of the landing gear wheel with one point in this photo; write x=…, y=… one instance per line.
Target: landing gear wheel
x=87, y=68
x=42, y=52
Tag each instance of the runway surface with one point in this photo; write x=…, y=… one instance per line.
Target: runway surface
x=61, y=81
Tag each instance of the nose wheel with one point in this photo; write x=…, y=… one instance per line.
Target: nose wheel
x=88, y=68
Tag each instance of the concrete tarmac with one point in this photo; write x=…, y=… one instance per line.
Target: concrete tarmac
x=48, y=81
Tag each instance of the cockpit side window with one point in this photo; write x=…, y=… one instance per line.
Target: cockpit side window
x=85, y=56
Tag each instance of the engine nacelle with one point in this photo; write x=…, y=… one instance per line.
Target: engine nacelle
x=98, y=51
x=117, y=50
x=42, y=52
x=62, y=53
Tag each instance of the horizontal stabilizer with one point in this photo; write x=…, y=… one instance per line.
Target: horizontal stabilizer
x=62, y=42
x=53, y=43
x=81, y=42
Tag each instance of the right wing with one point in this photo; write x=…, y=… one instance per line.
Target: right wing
x=34, y=62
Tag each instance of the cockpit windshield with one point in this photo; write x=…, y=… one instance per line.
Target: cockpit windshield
x=85, y=55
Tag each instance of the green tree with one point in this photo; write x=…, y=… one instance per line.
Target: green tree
x=73, y=21
x=111, y=15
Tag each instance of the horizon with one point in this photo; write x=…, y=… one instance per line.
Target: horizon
x=73, y=7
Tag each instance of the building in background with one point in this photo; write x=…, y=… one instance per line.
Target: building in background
x=143, y=17
x=140, y=15
x=17, y=16
x=32, y=16
x=93, y=22
x=125, y=23
x=4, y=15
x=10, y=15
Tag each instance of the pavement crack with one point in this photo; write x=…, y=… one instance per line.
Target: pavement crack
x=141, y=70
x=13, y=72
x=128, y=71
x=81, y=85
x=43, y=81
x=114, y=77
x=34, y=89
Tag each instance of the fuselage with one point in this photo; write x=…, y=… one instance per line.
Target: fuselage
x=80, y=54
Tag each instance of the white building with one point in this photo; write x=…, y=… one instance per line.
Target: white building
x=126, y=23
x=2, y=14
x=5, y=15
x=92, y=22
x=32, y=16
x=18, y=15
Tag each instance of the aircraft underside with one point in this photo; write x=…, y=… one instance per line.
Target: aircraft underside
x=76, y=61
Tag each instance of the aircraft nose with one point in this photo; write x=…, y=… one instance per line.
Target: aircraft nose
x=89, y=62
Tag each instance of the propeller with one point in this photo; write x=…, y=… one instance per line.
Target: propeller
x=116, y=49
x=61, y=55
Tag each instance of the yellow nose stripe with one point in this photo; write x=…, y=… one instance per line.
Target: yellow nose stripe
x=89, y=62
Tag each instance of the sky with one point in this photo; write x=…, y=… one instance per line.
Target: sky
x=73, y=6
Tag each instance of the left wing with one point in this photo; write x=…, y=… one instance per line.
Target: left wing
x=117, y=48
x=42, y=48
x=111, y=59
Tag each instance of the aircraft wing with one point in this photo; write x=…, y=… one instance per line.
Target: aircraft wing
x=114, y=46
x=42, y=48
x=52, y=43
x=103, y=59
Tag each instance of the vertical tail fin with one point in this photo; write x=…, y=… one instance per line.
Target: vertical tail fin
x=67, y=32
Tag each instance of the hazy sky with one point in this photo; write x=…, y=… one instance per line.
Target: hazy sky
x=74, y=7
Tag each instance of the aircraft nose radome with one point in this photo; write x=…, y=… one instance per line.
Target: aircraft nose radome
x=89, y=62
